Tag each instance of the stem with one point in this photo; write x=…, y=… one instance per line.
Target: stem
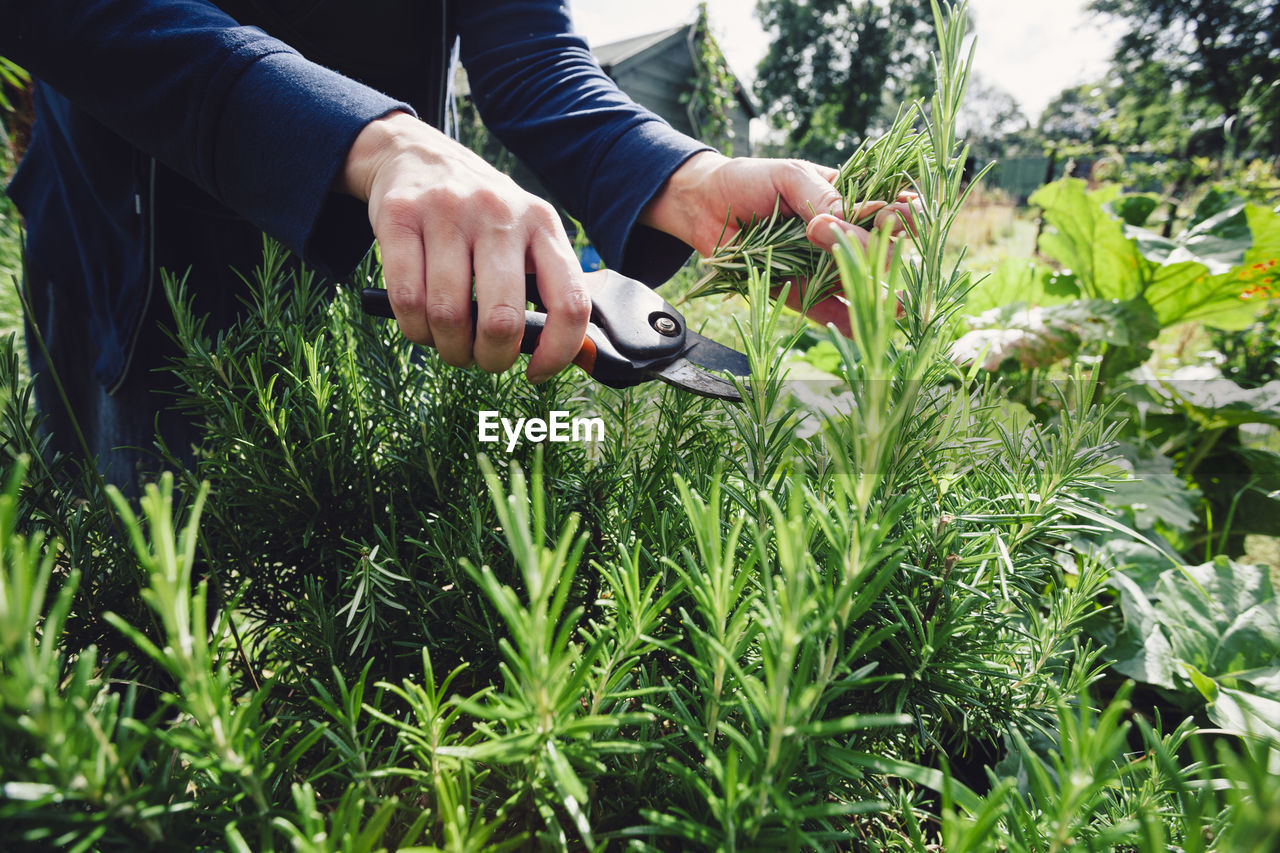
x=1202, y=450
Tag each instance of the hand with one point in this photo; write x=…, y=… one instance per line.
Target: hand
x=710, y=189
x=898, y=216
x=444, y=216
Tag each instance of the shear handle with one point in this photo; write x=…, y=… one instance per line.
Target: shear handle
x=598, y=356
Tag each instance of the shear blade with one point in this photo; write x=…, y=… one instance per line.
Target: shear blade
x=687, y=376
x=692, y=370
x=709, y=355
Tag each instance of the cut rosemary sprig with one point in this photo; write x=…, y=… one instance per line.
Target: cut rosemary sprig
x=880, y=168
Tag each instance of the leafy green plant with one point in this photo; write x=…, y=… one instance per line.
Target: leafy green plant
x=1208, y=633
x=12, y=76
x=713, y=94
x=1115, y=287
x=1218, y=270
x=1251, y=356
x=1076, y=790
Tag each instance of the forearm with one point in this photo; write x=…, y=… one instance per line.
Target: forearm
x=682, y=206
x=240, y=114
x=600, y=154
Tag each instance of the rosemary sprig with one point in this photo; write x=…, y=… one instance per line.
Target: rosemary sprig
x=880, y=168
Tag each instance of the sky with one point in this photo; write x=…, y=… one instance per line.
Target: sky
x=1031, y=48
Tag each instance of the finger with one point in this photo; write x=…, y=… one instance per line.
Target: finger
x=865, y=209
x=500, y=298
x=807, y=191
x=403, y=270
x=823, y=229
x=448, y=298
x=915, y=209
x=563, y=289
x=899, y=217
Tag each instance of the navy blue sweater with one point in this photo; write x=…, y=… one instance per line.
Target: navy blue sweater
x=168, y=132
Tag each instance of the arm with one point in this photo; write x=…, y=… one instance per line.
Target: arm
x=443, y=217
x=240, y=114
x=604, y=158
x=644, y=191
x=314, y=159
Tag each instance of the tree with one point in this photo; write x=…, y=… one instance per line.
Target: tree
x=1219, y=55
x=1077, y=115
x=992, y=123
x=839, y=69
x=713, y=90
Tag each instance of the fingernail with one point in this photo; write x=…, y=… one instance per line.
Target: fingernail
x=538, y=378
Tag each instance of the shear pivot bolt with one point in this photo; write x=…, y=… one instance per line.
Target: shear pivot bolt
x=666, y=326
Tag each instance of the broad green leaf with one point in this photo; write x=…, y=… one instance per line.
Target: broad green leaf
x=1110, y=322
x=1219, y=243
x=823, y=356
x=1216, y=271
x=1032, y=336
x=1142, y=651
x=1146, y=656
x=1021, y=280
x=1156, y=493
x=1218, y=403
x=1135, y=209
x=1264, y=680
x=1087, y=240
x=1264, y=224
x=1138, y=561
x=1207, y=686
x=1246, y=712
x=1219, y=618
x=1226, y=267
x=1236, y=626
x=1214, y=201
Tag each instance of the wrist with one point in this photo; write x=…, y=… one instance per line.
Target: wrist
x=677, y=209
x=377, y=142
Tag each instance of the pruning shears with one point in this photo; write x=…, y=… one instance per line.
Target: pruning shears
x=634, y=336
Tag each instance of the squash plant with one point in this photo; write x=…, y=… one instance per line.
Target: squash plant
x=350, y=625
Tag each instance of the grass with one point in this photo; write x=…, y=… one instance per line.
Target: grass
x=994, y=229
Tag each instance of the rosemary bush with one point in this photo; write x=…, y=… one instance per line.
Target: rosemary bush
x=346, y=626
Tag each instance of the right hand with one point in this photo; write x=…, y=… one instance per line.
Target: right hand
x=444, y=216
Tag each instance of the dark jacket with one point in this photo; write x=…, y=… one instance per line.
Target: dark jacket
x=169, y=132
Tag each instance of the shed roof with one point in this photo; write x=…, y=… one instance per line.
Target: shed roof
x=617, y=52
x=620, y=51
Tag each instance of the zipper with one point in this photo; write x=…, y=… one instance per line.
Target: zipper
x=150, y=226
x=446, y=118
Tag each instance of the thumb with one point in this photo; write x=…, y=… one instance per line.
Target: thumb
x=808, y=190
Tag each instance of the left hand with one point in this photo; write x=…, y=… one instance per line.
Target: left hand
x=709, y=189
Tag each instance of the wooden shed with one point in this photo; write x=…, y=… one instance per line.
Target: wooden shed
x=657, y=71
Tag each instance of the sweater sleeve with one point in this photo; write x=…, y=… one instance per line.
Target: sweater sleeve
x=242, y=115
x=541, y=92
